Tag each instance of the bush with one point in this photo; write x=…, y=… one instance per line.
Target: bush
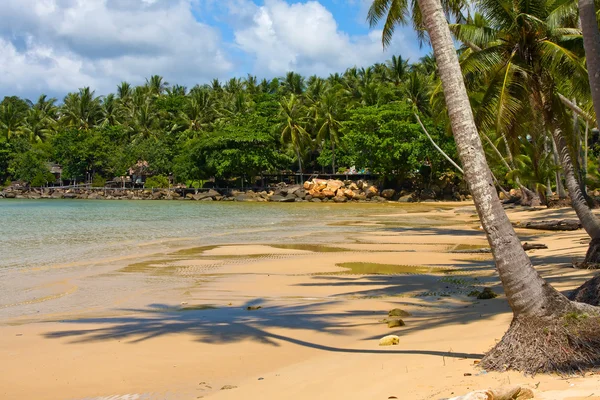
x=158, y=181
x=98, y=181
x=41, y=179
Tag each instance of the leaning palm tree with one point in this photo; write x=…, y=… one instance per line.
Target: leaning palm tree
x=539, y=339
x=527, y=52
x=292, y=116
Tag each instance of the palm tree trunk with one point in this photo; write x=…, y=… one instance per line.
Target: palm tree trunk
x=534, y=303
x=590, y=223
x=332, y=157
x=560, y=189
x=299, y=166
x=591, y=44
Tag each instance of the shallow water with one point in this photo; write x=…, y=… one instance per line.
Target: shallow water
x=38, y=233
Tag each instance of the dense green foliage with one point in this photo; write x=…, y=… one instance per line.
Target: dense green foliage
x=240, y=129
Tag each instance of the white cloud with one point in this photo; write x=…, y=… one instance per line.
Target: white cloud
x=58, y=46
x=305, y=37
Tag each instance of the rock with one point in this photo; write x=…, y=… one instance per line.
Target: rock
x=300, y=193
x=360, y=197
x=389, y=340
x=289, y=199
x=372, y=191
x=409, y=198
x=486, y=294
x=427, y=194
x=477, y=395
x=228, y=387
x=328, y=193
x=320, y=184
x=378, y=198
x=308, y=185
x=340, y=199
x=308, y=197
x=10, y=195
x=334, y=185
x=512, y=393
x=70, y=196
x=245, y=197
x=315, y=200
x=388, y=193
x=276, y=198
x=353, y=186
x=207, y=199
x=502, y=196
x=349, y=194
x=396, y=312
x=253, y=308
x=395, y=322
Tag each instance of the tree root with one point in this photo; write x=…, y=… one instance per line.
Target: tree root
x=588, y=293
x=565, y=344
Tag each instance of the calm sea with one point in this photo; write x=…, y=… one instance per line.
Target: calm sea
x=37, y=233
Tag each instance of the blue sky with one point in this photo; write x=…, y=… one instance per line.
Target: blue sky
x=58, y=46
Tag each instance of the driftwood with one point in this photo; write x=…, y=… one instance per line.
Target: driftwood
x=534, y=246
x=552, y=225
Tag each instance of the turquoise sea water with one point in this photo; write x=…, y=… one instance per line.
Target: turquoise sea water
x=36, y=233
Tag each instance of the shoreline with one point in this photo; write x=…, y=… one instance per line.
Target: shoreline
x=316, y=190
x=175, y=324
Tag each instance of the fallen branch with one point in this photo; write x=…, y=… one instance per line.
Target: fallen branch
x=553, y=225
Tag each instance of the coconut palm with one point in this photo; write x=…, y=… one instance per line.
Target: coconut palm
x=37, y=126
x=328, y=111
x=293, y=118
x=591, y=42
x=82, y=110
x=156, y=85
x=293, y=83
x=398, y=69
x=527, y=52
x=538, y=309
x=11, y=119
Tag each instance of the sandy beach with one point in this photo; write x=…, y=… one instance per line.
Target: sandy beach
x=175, y=323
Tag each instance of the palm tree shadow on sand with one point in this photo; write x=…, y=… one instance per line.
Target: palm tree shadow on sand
x=234, y=324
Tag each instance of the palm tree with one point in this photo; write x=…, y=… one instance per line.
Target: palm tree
x=528, y=52
x=292, y=116
x=82, y=110
x=591, y=42
x=328, y=112
x=538, y=309
x=398, y=69
x=37, y=125
x=293, y=83
x=156, y=85
x=11, y=120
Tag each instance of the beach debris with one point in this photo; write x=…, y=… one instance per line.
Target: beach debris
x=534, y=246
x=551, y=225
x=396, y=312
x=467, y=374
x=502, y=393
x=253, y=308
x=394, y=322
x=261, y=379
x=389, y=340
x=228, y=387
x=486, y=294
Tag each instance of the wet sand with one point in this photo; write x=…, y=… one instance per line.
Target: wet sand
x=175, y=324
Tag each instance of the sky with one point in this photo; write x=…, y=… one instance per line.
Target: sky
x=58, y=46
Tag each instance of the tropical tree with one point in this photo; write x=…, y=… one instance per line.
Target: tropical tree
x=329, y=114
x=591, y=42
x=293, y=117
x=539, y=311
x=82, y=110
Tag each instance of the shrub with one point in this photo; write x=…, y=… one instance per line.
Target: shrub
x=158, y=181
x=42, y=178
x=98, y=181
